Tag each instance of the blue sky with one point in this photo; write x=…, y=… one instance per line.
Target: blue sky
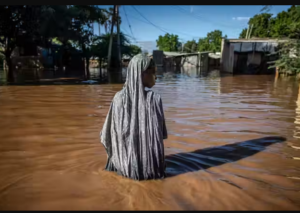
x=187, y=21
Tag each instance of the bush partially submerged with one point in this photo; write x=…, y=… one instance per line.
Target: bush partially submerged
x=289, y=60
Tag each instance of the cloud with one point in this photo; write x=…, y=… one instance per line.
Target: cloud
x=192, y=9
x=241, y=18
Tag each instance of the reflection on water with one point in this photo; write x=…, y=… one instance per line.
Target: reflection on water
x=231, y=145
x=101, y=75
x=297, y=118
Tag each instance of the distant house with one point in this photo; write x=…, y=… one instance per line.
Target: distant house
x=169, y=59
x=125, y=60
x=214, y=60
x=40, y=57
x=94, y=62
x=248, y=55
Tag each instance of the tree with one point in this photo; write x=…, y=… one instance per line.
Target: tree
x=243, y=33
x=203, y=44
x=285, y=25
x=289, y=59
x=17, y=23
x=215, y=40
x=58, y=23
x=190, y=46
x=266, y=8
x=280, y=26
x=212, y=42
x=295, y=25
x=100, y=47
x=289, y=52
x=86, y=15
x=69, y=24
x=168, y=42
x=133, y=50
x=261, y=25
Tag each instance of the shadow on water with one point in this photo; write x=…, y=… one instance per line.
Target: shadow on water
x=182, y=163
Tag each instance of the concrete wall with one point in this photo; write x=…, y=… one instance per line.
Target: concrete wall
x=204, y=62
x=231, y=59
x=193, y=60
x=227, y=57
x=190, y=61
x=235, y=59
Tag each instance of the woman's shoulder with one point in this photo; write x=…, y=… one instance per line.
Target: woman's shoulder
x=154, y=95
x=118, y=98
x=118, y=95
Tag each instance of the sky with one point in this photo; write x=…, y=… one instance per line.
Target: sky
x=189, y=22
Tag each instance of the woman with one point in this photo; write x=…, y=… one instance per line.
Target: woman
x=134, y=128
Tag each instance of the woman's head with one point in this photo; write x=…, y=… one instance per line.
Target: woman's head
x=140, y=73
x=149, y=75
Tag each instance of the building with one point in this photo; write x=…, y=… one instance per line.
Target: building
x=248, y=56
x=214, y=60
x=34, y=63
x=94, y=62
x=169, y=59
x=158, y=57
x=125, y=60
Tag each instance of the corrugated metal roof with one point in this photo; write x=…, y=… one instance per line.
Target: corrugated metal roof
x=172, y=53
x=214, y=55
x=256, y=40
x=175, y=54
x=126, y=57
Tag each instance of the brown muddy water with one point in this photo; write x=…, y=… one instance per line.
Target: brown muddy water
x=233, y=145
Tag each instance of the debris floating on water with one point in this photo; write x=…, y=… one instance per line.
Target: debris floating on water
x=89, y=82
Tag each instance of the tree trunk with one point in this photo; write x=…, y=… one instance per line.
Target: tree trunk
x=63, y=55
x=109, y=58
x=87, y=64
x=10, y=74
x=119, y=62
x=100, y=69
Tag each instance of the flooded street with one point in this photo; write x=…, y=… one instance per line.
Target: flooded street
x=232, y=145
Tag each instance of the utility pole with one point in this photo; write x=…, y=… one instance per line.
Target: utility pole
x=118, y=37
x=247, y=32
x=182, y=47
x=111, y=38
x=99, y=59
x=251, y=28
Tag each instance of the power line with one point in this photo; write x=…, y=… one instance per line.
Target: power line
x=199, y=18
x=160, y=28
x=128, y=23
x=148, y=20
x=166, y=28
x=127, y=34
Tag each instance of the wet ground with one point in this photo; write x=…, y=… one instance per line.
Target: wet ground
x=232, y=146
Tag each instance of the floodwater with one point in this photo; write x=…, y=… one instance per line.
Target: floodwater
x=233, y=145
